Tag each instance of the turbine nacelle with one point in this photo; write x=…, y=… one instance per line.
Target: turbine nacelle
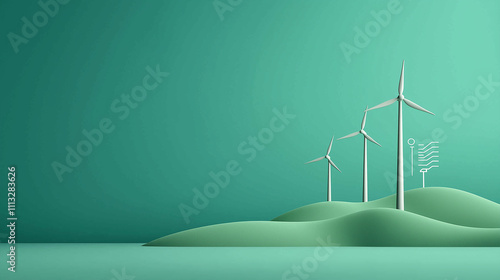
x=401, y=97
x=327, y=156
x=362, y=131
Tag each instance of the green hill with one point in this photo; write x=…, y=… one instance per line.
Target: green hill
x=443, y=204
x=435, y=217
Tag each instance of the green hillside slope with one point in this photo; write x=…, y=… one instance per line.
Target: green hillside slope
x=372, y=227
x=443, y=204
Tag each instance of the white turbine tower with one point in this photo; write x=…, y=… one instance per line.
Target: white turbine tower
x=365, y=156
x=400, y=98
x=330, y=163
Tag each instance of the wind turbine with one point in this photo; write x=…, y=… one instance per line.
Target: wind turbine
x=400, y=202
x=365, y=157
x=330, y=163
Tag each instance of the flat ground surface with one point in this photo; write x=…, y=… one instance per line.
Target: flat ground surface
x=131, y=261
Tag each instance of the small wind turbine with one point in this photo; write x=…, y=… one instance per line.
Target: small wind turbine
x=330, y=163
x=400, y=175
x=365, y=156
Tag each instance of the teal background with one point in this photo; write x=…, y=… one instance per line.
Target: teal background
x=226, y=76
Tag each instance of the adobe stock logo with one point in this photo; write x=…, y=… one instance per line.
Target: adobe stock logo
x=121, y=109
x=122, y=275
x=363, y=38
x=30, y=27
x=471, y=102
x=249, y=149
x=310, y=264
x=223, y=6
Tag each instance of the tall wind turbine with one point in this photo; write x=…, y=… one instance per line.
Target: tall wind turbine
x=330, y=163
x=400, y=202
x=365, y=156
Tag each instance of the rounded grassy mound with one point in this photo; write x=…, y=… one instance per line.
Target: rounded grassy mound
x=372, y=227
x=433, y=217
x=443, y=204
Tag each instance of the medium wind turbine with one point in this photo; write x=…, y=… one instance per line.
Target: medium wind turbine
x=365, y=156
x=330, y=163
x=400, y=98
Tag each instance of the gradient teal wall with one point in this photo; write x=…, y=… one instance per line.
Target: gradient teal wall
x=227, y=72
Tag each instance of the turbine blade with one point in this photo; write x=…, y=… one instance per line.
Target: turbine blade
x=350, y=135
x=415, y=106
x=330, y=146
x=371, y=139
x=315, y=160
x=364, y=119
x=333, y=164
x=387, y=103
x=402, y=79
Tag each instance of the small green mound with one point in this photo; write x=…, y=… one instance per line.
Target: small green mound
x=434, y=217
